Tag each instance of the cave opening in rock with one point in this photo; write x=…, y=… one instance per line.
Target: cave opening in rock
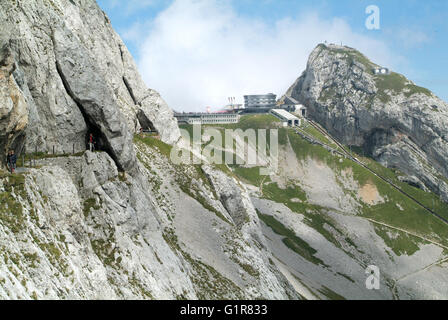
x=12, y=141
x=101, y=143
x=145, y=123
x=376, y=137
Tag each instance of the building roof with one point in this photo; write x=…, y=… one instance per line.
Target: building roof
x=290, y=100
x=284, y=114
x=204, y=114
x=260, y=95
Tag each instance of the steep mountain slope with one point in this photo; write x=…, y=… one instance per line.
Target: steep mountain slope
x=75, y=227
x=398, y=123
x=121, y=222
x=327, y=218
x=125, y=222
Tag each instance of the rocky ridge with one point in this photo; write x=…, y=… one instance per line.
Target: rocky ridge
x=398, y=123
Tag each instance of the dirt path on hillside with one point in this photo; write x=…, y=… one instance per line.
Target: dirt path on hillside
x=407, y=232
x=414, y=273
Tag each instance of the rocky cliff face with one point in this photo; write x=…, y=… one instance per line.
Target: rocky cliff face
x=401, y=125
x=123, y=222
x=78, y=77
x=13, y=106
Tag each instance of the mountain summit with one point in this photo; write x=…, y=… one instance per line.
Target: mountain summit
x=396, y=122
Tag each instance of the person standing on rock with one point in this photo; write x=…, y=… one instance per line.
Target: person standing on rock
x=12, y=160
x=91, y=145
x=8, y=160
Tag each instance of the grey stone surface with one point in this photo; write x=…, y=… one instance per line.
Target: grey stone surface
x=85, y=85
x=13, y=106
x=57, y=44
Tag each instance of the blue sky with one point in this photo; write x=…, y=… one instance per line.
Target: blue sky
x=199, y=52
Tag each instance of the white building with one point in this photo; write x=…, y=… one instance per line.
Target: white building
x=287, y=118
x=301, y=110
x=220, y=118
x=382, y=71
x=208, y=118
x=292, y=105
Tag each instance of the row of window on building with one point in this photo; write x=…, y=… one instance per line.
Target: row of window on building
x=213, y=118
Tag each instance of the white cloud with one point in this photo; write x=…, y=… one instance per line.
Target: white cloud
x=199, y=52
x=411, y=38
x=135, y=33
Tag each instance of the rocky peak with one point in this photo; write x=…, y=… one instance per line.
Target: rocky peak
x=397, y=122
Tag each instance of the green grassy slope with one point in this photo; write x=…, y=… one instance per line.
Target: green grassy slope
x=397, y=210
x=403, y=225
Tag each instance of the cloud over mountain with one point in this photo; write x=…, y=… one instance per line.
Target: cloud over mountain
x=199, y=52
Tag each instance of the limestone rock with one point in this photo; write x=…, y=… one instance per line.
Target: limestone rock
x=13, y=106
x=230, y=196
x=95, y=100
x=156, y=110
x=51, y=41
x=400, y=124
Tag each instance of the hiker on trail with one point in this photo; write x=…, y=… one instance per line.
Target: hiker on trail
x=8, y=160
x=11, y=160
x=91, y=143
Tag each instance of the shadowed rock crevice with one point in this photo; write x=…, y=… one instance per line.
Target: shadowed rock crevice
x=375, y=138
x=145, y=123
x=131, y=93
